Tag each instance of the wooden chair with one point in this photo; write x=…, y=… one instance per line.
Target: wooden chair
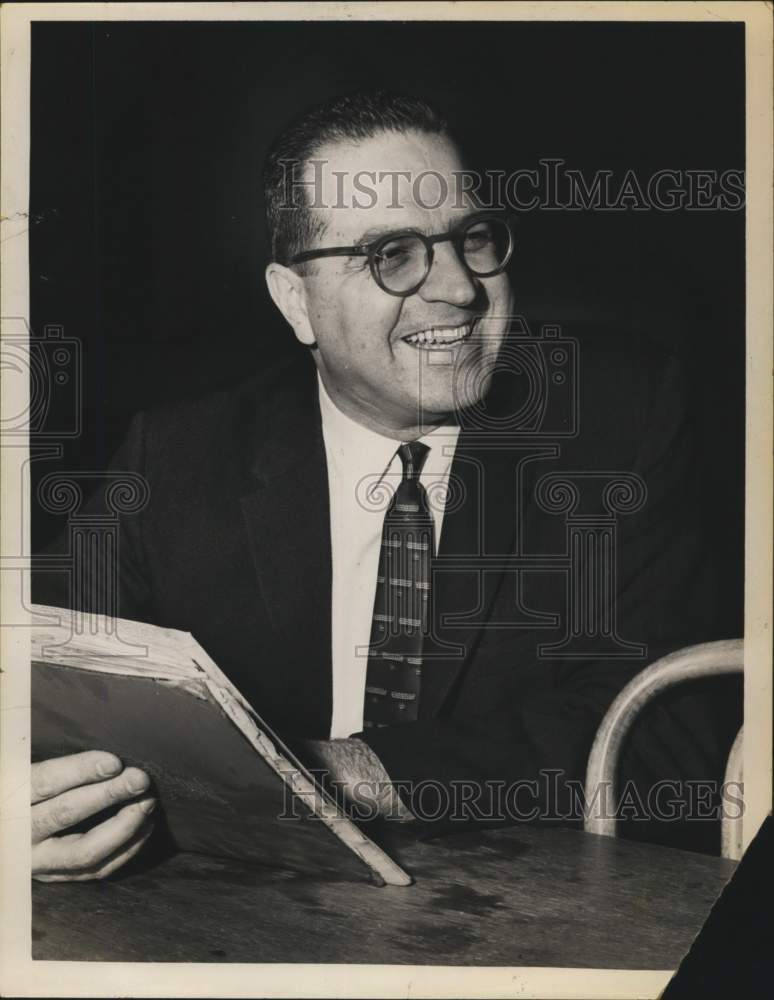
x=706, y=660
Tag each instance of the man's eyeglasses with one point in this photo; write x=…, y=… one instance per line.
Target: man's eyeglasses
x=401, y=261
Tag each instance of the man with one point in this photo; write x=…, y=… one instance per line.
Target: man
x=267, y=534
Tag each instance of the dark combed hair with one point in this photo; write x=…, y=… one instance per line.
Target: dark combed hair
x=291, y=226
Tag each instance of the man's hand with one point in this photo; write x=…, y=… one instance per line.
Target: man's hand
x=354, y=768
x=68, y=790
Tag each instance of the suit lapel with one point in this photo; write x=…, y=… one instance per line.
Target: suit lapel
x=287, y=520
x=481, y=525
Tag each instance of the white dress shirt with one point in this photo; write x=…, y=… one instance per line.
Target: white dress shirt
x=363, y=470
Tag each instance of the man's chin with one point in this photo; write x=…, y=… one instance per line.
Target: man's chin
x=444, y=404
x=448, y=384
x=470, y=386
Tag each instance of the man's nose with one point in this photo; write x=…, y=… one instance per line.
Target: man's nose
x=449, y=280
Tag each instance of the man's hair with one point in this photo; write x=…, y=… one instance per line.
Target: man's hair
x=290, y=223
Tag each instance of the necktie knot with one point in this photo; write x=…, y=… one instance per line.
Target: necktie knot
x=413, y=455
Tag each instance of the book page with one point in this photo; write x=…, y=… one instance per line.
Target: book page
x=113, y=645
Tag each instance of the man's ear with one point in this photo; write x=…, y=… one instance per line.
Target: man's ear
x=289, y=294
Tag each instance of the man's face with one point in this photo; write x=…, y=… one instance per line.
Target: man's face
x=371, y=361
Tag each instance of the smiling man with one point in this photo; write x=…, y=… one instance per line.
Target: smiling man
x=405, y=304
x=346, y=534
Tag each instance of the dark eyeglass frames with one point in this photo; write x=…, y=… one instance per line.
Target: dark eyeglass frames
x=401, y=261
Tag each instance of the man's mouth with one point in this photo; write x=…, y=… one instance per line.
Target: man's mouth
x=440, y=338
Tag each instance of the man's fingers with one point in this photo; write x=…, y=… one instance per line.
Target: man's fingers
x=110, y=864
x=84, y=853
x=58, y=814
x=119, y=860
x=104, y=839
x=52, y=777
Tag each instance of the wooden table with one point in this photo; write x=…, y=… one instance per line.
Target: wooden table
x=518, y=896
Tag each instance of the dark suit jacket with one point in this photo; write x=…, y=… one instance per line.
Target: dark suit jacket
x=234, y=546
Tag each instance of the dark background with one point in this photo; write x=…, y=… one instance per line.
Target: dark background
x=147, y=238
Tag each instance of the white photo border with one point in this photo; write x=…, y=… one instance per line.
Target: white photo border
x=23, y=977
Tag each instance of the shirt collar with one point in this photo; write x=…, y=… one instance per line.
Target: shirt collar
x=362, y=452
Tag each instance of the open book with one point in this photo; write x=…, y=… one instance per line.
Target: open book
x=227, y=784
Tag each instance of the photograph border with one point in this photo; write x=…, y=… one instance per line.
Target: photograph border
x=21, y=976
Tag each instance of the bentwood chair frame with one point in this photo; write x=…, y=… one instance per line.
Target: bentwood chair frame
x=708, y=659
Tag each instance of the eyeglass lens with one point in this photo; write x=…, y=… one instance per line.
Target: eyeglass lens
x=403, y=263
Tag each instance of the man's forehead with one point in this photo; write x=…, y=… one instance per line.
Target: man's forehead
x=389, y=181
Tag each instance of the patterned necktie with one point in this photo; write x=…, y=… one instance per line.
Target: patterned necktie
x=402, y=608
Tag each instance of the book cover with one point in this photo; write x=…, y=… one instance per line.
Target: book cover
x=227, y=784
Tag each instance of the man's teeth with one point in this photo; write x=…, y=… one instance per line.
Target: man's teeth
x=443, y=337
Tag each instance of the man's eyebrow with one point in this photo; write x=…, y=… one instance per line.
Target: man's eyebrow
x=369, y=235
x=375, y=232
